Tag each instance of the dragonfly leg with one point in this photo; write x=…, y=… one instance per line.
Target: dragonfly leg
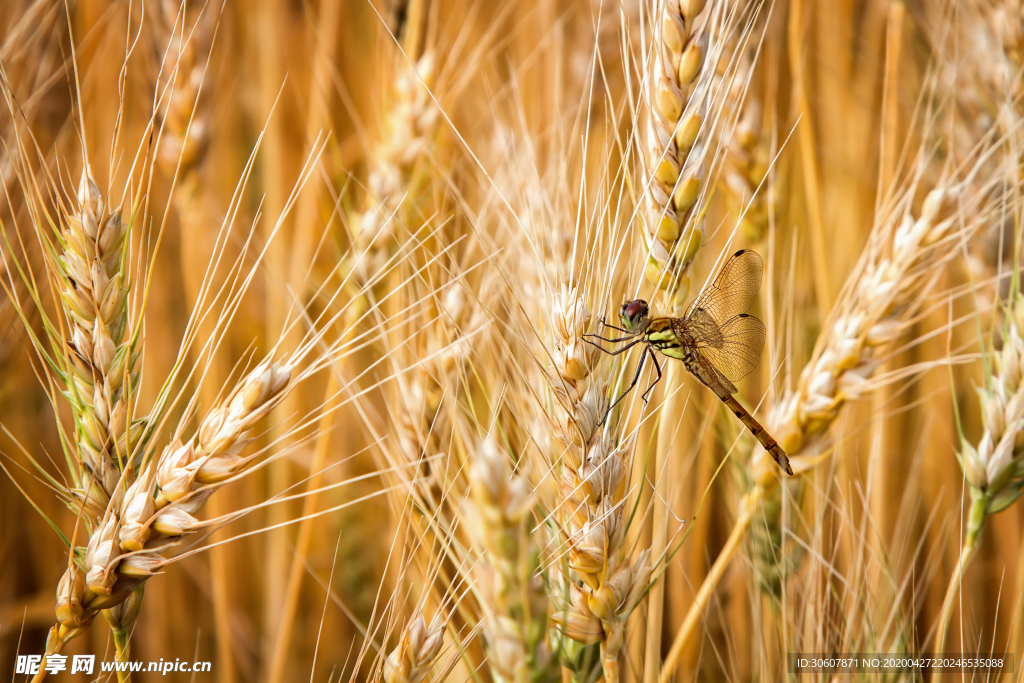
x=627, y=338
x=613, y=327
x=655, y=382
x=616, y=352
x=636, y=378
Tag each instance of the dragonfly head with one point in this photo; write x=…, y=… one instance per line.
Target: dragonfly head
x=633, y=316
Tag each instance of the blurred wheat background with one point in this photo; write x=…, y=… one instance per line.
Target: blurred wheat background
x=294, y=296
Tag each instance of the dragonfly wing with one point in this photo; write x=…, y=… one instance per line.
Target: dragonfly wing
x=709, y=375
x=733, y=291
x=699, y=326
x=737, y=347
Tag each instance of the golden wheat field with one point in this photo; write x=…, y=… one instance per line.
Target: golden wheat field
x=511, y=340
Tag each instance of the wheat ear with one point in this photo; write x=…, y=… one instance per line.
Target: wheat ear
x=138, y=527
x=680, y=81
x=96, y=356
x=603, y=584
x=185, y=128
x=398, y=180
x=744, y=172
x=994, y=468
x=866, y=323
x=508, y=572
x=982, y=57
x=677, y=99
x=92, y=281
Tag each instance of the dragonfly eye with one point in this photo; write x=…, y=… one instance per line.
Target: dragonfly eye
x=633, y=315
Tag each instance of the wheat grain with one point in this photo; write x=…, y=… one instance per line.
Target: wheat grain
x=417, y=649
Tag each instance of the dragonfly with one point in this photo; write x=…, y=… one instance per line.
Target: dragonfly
x=716, y=339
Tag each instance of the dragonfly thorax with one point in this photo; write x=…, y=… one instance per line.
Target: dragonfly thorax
x=672, y=340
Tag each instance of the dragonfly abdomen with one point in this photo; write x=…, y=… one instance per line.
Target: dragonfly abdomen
x=759, y=432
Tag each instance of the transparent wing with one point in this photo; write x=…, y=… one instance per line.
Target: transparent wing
x=713, y=378
x=699, y=326
x=736, y=347
x=732, y=293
